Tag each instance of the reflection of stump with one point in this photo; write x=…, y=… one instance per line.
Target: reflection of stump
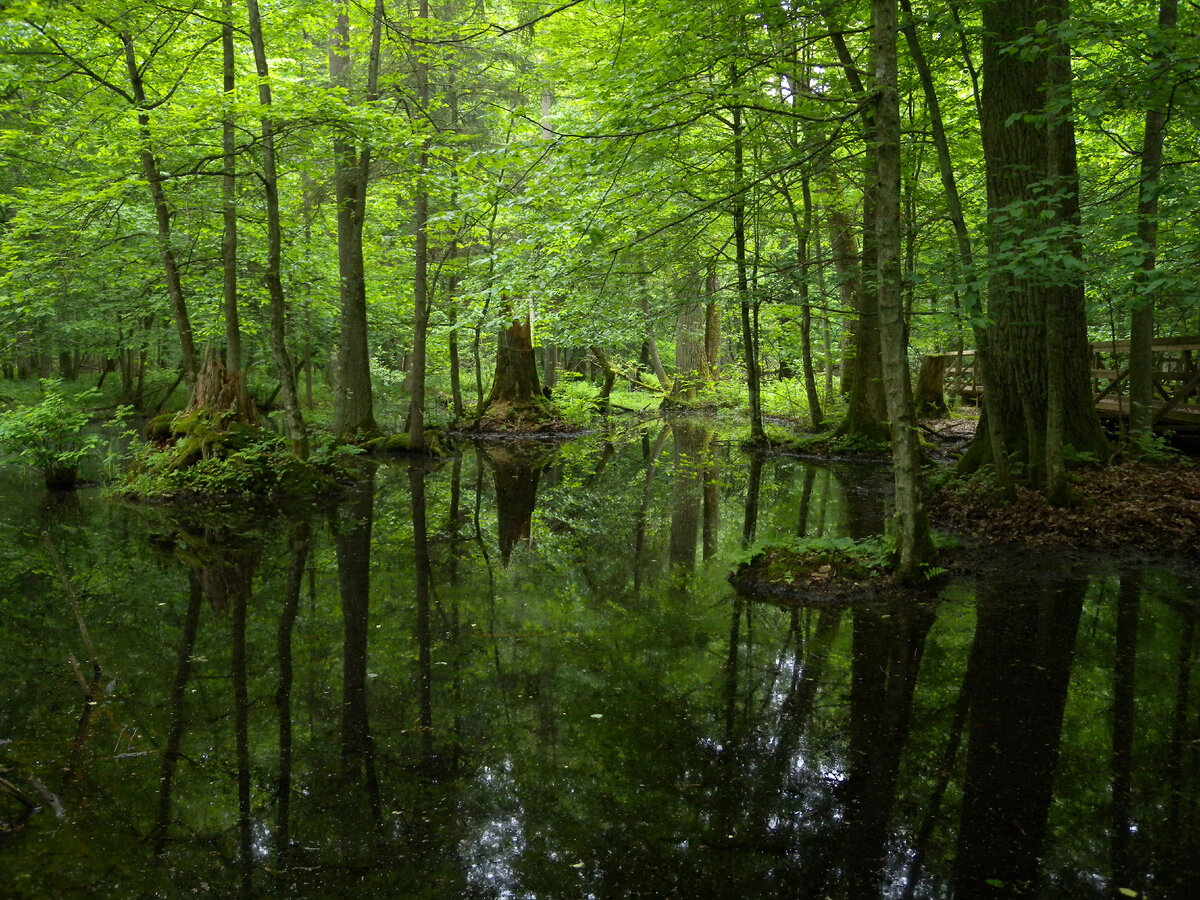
x=516, y=471
x=929, y=394
x=691, y=462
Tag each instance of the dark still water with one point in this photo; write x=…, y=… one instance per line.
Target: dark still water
x=523, y=675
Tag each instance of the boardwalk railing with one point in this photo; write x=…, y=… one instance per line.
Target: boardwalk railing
x=1176, y=380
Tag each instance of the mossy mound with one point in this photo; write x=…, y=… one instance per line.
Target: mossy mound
x=201, y=454
x=437, y=443
x=535, y=416
x=824, y=572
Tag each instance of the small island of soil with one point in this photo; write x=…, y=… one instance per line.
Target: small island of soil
x=1132, y=506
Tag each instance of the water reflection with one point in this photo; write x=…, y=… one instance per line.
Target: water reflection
x=521, y=674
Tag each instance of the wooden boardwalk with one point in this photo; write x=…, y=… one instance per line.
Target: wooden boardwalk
x=1176, y=382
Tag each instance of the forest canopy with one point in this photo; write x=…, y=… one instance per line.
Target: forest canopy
x=672, y=193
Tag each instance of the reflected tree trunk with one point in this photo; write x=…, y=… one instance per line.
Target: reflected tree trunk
x=416, y=483
x=352, y=536
x=241, y=726
x=1128, y=598
x=175, y=704
x=300, y=540
x=887, y=651
x=516, y=472
x=691, y=446
x=1023, y=651
x=639, y=541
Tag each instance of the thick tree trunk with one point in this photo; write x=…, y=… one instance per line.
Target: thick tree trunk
x=516, y=378
x=929, y=397
x=1035, y=291
x=353, y=402
x=692, y=372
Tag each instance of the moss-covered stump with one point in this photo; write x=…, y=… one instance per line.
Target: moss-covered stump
x=437, y=443
x=534, y=416
x=207, y=454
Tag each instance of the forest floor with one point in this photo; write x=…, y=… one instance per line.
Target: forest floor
x=1127, y=506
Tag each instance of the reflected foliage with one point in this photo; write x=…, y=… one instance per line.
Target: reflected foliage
x=525, y=676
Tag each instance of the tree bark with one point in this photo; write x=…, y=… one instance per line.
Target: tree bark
x=162, y=216
x=914, y=545
x=353, y=404
x=1141, y=363
x=416, y=406
x=1036, y=310
x=750, y=344
x=233, y=330
x=283, y=363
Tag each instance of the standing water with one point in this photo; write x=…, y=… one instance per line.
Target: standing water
x=522, y=674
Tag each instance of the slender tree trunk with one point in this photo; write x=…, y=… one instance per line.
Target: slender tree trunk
x=283, y=363
x=233, y=330
x=866, y=408
x=353, y=402
x=753, y=390
x=712, y=320
x=1141, y=363
x=994, y=425
x=914, y=544
x=416, y=407
x=162, y=215
x=803, y=229
x=652, y=347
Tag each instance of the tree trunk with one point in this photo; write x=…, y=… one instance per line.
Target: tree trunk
x=516, y=378
x=1036, y=311
x=930, y=394
x=287, y=375
x=712, y=320
x=1141, y=363
x=162, y=215
x=416, y=406
x=750, y=345
x=913, y=542
x=997, y=439
x=652, y=348
x=691, y=360
x=233, y=330
x=866, y=406
x=353, y=403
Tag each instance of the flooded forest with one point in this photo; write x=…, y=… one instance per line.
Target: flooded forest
x=538, y=451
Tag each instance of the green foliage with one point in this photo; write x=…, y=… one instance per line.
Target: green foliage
x=50, y=435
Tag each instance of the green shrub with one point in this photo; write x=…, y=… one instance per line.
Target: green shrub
x=49, y=435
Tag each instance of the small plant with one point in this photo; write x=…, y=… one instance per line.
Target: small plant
x=49, y=435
